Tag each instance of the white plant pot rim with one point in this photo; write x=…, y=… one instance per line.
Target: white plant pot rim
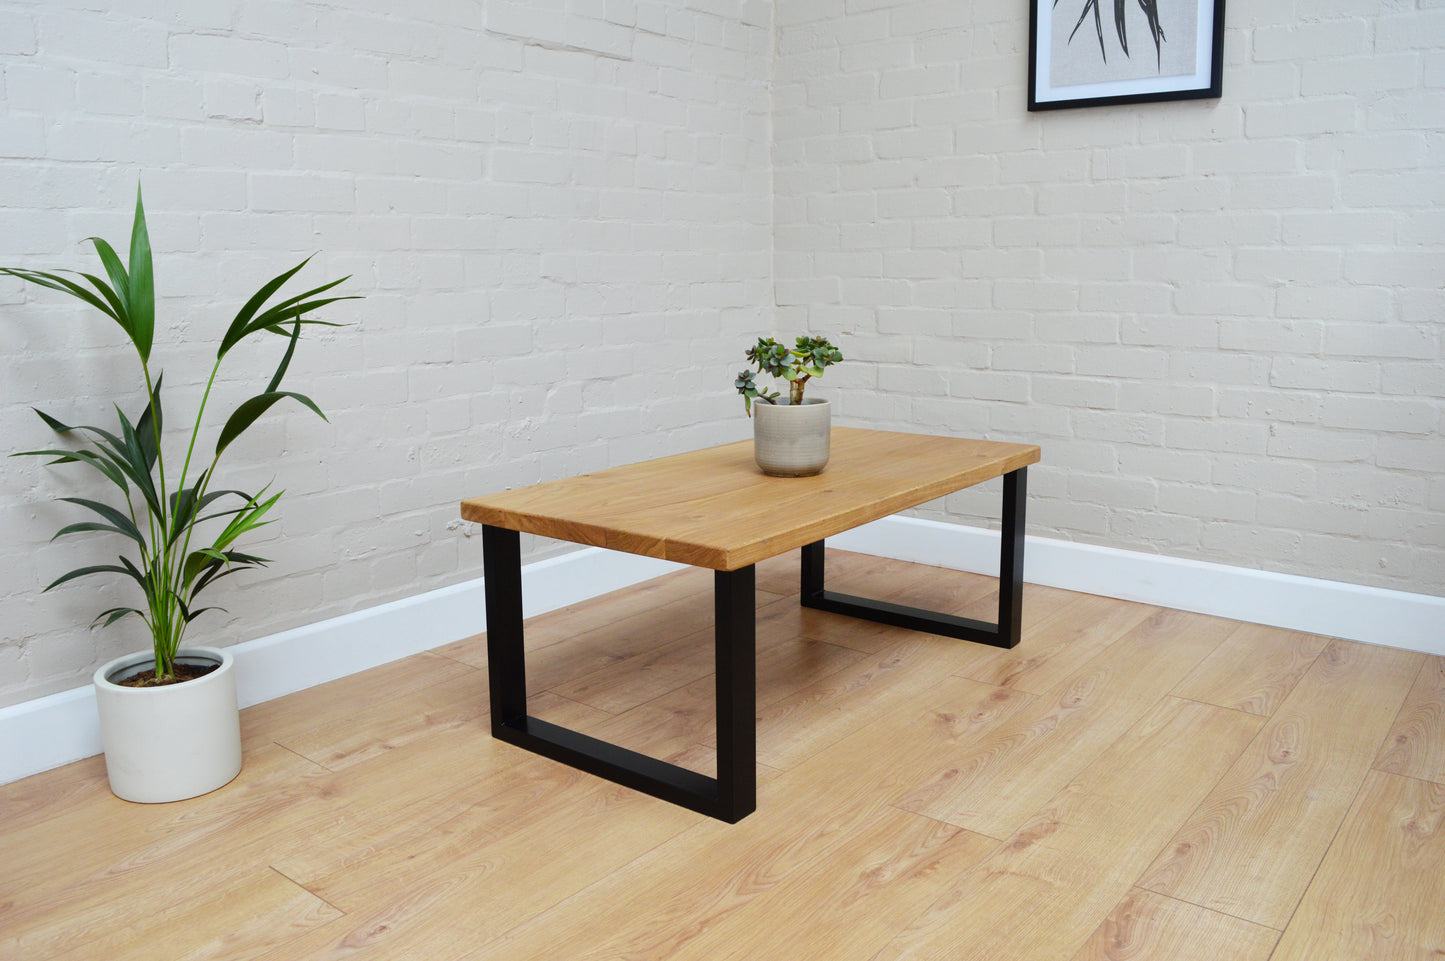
x=127, y=663
x=784, y=402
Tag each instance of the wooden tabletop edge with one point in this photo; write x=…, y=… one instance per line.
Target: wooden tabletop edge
x=994, y=459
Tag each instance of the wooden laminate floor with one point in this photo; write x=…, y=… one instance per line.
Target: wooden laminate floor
x=1129, y=783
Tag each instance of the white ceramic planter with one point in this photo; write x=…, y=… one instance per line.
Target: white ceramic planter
x=174, y=742
x=791, y=441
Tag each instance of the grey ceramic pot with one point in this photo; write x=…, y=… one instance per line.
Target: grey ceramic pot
x=791, y=441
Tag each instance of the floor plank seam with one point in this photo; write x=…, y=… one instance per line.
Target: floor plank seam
x=947, y=823
x=1204, y=907
x=1404, y=777
x=322, y=898
x=477, y=638
x=552, y=692
x=1324, y=855
x=1222, y=707
x=309, y=760
x=1380, y=751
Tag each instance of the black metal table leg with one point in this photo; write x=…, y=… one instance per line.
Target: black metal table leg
x=506, y=664
x=730, y=796
x=1004, y=633
x=735, y=644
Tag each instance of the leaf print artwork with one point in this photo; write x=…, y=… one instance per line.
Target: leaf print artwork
x=1151, y=15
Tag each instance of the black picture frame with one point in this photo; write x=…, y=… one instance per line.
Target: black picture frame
x=1087, y=77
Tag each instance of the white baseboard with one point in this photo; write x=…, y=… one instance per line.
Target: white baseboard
x=1373, y=615
x=47, y=732
x=50, y=731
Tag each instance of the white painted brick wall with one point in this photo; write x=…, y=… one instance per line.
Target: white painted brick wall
x=1223, y=320
x=545, y=204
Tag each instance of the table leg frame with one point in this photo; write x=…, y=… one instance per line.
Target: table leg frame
x=730, y=796
x=1004, y=633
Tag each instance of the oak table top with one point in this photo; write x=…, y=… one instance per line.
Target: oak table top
x=713, y=508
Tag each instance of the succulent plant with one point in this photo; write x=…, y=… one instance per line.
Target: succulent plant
x=796, y=365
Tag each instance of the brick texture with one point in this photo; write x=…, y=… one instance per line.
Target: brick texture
x=559, y=215
x=1223, y=320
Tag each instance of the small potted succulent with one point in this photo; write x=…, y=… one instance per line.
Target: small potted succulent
x=169, y=722
x=790, y=437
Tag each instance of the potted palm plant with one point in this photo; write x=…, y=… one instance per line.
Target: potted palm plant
x=169, y=719
x=791, y=438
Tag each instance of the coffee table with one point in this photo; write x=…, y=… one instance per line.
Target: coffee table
x=713, y=508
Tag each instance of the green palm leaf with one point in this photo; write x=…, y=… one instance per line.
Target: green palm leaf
x=191, y=615
x=61, y=428
x=285, y=363
x=143, y=579
x=186, y=503
x=215, y=572
x=86, y=526
x=56, y=282
x=104, y=289
x=246, y=520
x=292, y=309
x=137, y=462
x=89, y=458
x=119, y=522
x=115, y=270
x=148, y=428
x=228, y=512
x=210, y=564
x=114, y=614
x=86, y=571
x=141, y=297
x=237, y=330
x=112, y=449
x=246, y=414
x=198, y=562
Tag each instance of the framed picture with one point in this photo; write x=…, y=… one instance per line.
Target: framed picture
x=1136, y=51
